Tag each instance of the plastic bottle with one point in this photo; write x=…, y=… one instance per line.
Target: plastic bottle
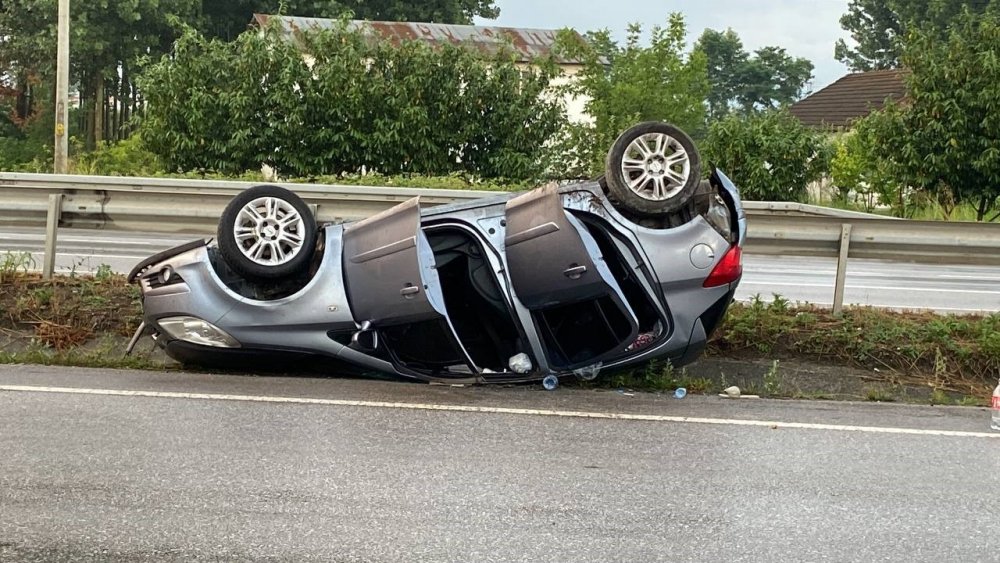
x=680, y=393
x=550, y=382
x=995, y=404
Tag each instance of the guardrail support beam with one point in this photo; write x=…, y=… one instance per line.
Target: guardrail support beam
x=51, y=228
x=838, y=288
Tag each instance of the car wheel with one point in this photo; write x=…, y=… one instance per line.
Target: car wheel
x=652, y=169
x=267, y=232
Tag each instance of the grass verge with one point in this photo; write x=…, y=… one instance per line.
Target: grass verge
x=82, y=320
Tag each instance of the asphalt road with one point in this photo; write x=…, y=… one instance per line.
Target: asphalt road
x=223, y=468
x=959, y=289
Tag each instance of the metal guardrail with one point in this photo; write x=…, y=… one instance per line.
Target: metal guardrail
x=179, y=205
x=175, y=205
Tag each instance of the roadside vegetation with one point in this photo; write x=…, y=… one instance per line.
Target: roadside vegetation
x=195, y=93
x=86, y=320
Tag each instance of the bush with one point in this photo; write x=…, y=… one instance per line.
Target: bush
x=770, y=155
x=861, y=177
x=336, y=102
x=126, y=158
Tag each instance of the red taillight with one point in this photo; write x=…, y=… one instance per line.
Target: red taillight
x=728, y=270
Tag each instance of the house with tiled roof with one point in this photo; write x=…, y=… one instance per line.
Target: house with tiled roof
x=852, y=97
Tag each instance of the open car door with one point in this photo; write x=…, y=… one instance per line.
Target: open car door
x=394, y=288
x=558, y=272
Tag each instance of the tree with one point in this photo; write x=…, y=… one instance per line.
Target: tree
x=626, y=84
x=879, y=26
x=769, y=78
x=856, y=171
x=108, y=38
x=356, y=104
x=434, y=11
x=945, y=138
x=769, y=154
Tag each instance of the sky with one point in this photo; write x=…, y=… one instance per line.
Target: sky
x=805, y=28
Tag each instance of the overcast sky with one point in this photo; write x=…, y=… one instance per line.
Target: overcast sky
x=805, y=28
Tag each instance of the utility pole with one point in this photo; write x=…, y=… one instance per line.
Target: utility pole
x=62, y=90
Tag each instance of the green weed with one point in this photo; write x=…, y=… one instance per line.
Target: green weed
x=104, y=273
x=15, y=263
x=879, y=395
x=772, y=380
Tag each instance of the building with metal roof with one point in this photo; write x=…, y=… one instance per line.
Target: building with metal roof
x=528, y=44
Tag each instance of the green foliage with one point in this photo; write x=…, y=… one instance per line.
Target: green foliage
x=14, y=263
x=861, y=177
x=879, y=26
x=769, y=154
x=109, y=38
x=626, y=84
x=769, y=78
x=944, y=142
x=879, y=394
x=28, y=138
x=103, y=273
x=961, y=353
x=350, y=104
x=17, y=151
x=125, y=158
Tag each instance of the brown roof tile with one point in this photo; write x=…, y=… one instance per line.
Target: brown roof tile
x=851, y=97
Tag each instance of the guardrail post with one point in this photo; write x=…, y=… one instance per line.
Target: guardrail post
x=51, y=228
x=838, y=288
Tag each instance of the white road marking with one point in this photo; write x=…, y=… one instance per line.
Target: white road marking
x=498, y=410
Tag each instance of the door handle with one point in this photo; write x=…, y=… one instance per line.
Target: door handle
x=575, y=272
x=409, y=290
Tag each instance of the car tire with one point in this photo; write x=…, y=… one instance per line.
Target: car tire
x=652, y=169
x=267, y=233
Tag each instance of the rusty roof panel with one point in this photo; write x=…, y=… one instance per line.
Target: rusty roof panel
x=527, y=43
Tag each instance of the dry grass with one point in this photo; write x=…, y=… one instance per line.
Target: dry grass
x=956, y=354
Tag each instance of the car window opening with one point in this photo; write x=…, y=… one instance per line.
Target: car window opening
x=579, y=333
x=627, y=278
x=479, y=314
x=478, y=309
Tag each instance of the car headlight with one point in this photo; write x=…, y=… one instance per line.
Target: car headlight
x=197, y=331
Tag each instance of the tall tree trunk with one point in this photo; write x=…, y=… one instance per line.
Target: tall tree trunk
x=98, y=110
x=115, y=118
x=23, y=104
x=126, y=95
x=135, y=108
x=87, y=117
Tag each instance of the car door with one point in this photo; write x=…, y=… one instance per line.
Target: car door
x=389, y=269
x=394, y=288
x=558, y=272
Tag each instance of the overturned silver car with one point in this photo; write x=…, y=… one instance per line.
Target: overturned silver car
x=597, y=275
